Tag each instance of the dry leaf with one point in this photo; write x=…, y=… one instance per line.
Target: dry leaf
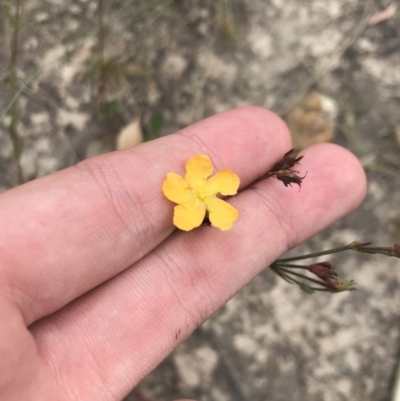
x=311, y=120
x=131, y=135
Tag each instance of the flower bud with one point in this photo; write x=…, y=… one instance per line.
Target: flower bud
x=324, y=270
x=344, y=285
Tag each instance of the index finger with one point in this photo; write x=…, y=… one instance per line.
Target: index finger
x=66, y=233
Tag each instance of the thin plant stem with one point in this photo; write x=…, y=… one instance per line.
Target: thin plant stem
x=22, y=88
x=294, y=281
x=12, y=128
x=322, y=253
x=304, y=277
x=290, y=265
x=101, y=84
x=283, y=275
x=377, y=251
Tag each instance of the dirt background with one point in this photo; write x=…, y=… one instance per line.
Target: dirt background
x=317, y=63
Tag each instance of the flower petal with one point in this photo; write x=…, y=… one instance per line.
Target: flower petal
x=225, y=182
x=176, y=189
x=198, y=169
x=189, y=215
x=221, y=213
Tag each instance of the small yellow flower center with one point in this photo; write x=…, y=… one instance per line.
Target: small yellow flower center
x=202, y=194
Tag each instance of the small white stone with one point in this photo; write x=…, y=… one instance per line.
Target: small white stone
x=39, y=118
x=31, y=43
x=197, y=367
x=76, y=119
x=43, y=145
x=175, y=65
x=366, y=45
x=47, y=165
x=216, y=67
x=245, y=344
x=260, y=43
x=218, y=395
x=41, y=16
x=74, y=9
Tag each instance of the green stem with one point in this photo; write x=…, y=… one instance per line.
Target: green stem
x=294, y=281
x=327, y=252
x=290, y=265
x=384, y=251
x=319, y=282
x=287, y=278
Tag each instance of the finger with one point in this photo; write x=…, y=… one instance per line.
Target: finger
x=144, y=313
x=65, y=234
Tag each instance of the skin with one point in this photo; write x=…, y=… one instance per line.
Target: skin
x=96, y=285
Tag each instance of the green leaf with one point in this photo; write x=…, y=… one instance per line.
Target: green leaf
x=306, y=288
x=112, y=106
x=9, y=17
x=156, y=124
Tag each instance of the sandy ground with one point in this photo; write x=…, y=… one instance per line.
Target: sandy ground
x=175, y=62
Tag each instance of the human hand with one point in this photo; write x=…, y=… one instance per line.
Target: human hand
x=96, y=286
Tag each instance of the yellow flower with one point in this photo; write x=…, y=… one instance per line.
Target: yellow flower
x=195, y=194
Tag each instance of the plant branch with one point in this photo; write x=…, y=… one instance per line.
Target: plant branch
x=319, y=282
x=353, y=247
